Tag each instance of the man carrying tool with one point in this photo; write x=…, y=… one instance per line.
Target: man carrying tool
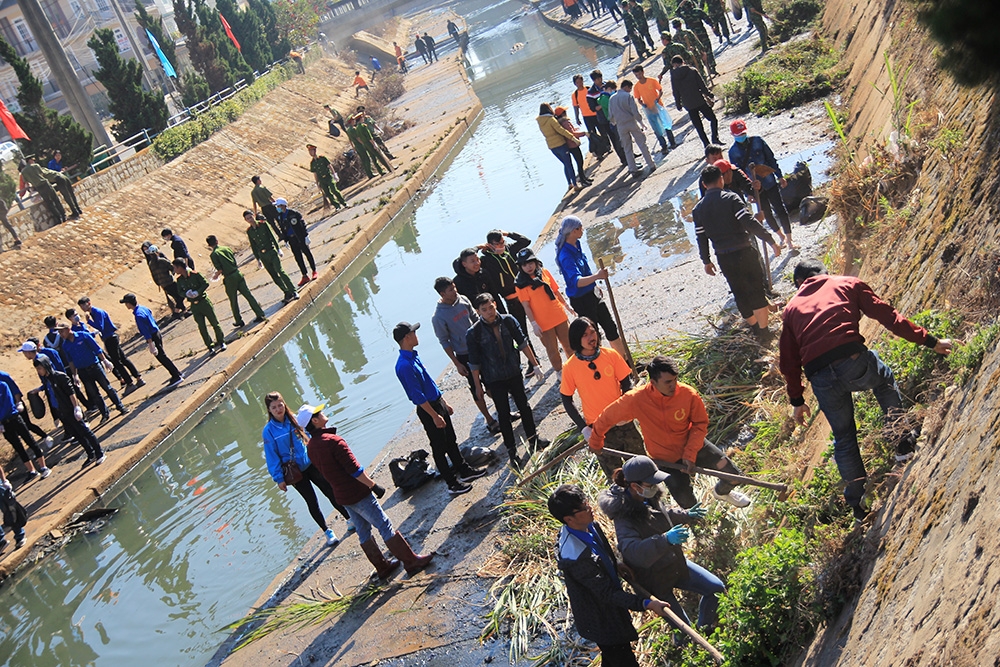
x=674, y=424
x=600, y=375
x=754, y=152
x=821, y=334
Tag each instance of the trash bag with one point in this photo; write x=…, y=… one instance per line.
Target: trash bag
x=332, y=126
x=14, y=514
x=800, y=185
x=736, y=8
x=812, y=209
x=599, y=145
x=36, y=404
x=478, y=457
x=410, y=472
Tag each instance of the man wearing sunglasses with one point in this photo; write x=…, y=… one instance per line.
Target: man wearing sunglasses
x=674, y=424
x=600, y=375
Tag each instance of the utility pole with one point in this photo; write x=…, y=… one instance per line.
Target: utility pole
x=73, y=91
x=147, y=76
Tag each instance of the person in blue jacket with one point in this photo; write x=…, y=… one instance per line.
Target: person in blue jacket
x=101, y=321
x=149, y=330
x=754, y=150
x=25, y=413
x=581, y=282
x=284, y=442
x=90, y=362
x=16, y=432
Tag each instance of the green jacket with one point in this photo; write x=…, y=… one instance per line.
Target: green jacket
x=194, y=282
x=261, y=195
x=262, y=241
x=224, y=260
x=675, y=49
x=689, y=40
x=35, y=175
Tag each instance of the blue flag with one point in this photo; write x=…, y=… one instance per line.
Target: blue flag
x=168, y=69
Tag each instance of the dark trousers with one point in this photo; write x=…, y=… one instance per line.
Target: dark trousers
x=617, y=655
x=515, y=309
x=271, y=214
x=34, y=428
x=444, y=442
x=51, y=200
x=15, y=431
x=113, y=347
x=65, y=188
x=695, y=116
x=312, y=476
x=773, y=205
x=597, y=311
x=593, y=129
x=302, y=252
x=513, y=388
x=577, y=156
x=709, y=456
x=93, y=377
x=162, y=357
x=79, y=431
x=608, y=130
x=175, y=300
x=614, y=10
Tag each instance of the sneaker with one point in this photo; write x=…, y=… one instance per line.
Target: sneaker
x=515, y=415
x=140, y=383
x=104, y=418
x=350, y=527
x=493, y=428
x=88, y=461
x=32, y=474
x=468, y=473
x=222, y=348
x=44, y=472
x=538, y=444
x=457, y=488
x=860, y=513
x=734, y=498
x=239, y=325
x=124, y=409
x=48, y=443
x=100, y=460
x=258, y=320
x=173, y=382
x=331, y=538
x=304, y=280
x=906, y=447
x=19, y=542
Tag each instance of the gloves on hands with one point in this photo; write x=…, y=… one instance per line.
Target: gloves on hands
x=379, y=491
x=191, y=294
x=151, y=346
x=697, y=512
x=677, y=534
x=20, y=406
x=587, y=432
x=308, y=242
x=78, y=413
x=107, y=366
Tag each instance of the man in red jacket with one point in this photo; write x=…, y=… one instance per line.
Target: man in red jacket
x=821, y=334
x=356, y=491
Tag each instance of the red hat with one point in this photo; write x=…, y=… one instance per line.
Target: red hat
x=725, y=166
x=738, y=127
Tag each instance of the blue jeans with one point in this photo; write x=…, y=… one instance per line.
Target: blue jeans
x=368, y=514
x=833, y=387
x=562, y=154
x=705, y=584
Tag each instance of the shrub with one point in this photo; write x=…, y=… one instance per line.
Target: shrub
x=791, y=17
x=791, y=75
x=967, y=358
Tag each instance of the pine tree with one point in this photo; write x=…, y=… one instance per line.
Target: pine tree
x=208, y=18
x=201, y=48
x=155, y=26
x=280, y=46
x=134, y=109
x=49, y=130
x=194, y=88
x=249, y=31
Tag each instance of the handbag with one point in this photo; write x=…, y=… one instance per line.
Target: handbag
x=290, y=469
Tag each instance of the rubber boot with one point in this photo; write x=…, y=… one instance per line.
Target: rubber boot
x=384, y=567
x=400, y=548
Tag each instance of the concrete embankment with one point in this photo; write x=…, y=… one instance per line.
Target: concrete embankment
x=204, y=192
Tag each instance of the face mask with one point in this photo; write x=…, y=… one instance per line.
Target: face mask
x=650, y=491
x=740, y=138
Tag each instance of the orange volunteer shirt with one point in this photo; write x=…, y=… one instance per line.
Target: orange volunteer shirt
x=580, y=101
x=647, y=92
x=358, y=81
x=595, y=395
x=548, y=312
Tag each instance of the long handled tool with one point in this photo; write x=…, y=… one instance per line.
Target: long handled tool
x=760, y=218
x=553, y=463
x=726, y=476
x=618, y=320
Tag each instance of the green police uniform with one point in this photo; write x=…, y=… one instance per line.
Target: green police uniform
x=320, y=166
x=201, y=308
x=265, y=249
x=362, y=151
x=755, y=11
x=368, y=139
x=35, y=175
x=369, y=122
x=65, y=187
x=694, y=20
x=224, y=260
x=691, y=42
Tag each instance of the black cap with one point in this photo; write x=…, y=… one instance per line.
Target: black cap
x=400, y=331
x=129, y=298
x=525, y=256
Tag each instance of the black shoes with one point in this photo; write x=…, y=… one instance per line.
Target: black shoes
x=468, y=473
x=906, y=447
x=457, y=488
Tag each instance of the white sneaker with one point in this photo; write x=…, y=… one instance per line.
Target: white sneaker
x=331, y=538
x=44, y=472
x=734, y=498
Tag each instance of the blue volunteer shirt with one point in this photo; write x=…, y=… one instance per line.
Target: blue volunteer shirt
x=100, y=320
x=573, y=264
x=83, y=350
x=6, y=379
x=145, y=322
x=54, y=357
x=416, y=381
x=8, y=408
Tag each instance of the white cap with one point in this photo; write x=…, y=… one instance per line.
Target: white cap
x=280, y=201
x=28, y=347
x=306, y=413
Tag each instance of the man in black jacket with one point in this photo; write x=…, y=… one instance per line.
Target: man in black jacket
x=692, y=95
x=296, y=234
x=600, y=605
x=471, y=280
x=722, y=218
x=497, y=259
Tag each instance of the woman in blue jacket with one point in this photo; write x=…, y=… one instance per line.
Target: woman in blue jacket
x=284, y=441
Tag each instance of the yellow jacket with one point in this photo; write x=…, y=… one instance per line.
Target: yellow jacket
x=555, y=134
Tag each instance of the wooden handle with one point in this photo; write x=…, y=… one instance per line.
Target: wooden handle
x=727, y=476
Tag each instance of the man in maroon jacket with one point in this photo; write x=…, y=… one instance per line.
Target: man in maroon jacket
x=821, y=334
x=356, y=491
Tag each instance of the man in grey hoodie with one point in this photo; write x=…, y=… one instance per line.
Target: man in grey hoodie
x=452, y=318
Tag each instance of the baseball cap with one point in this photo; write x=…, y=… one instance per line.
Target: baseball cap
x=738, y=127
x=129, y=298
x=558, y=111
x=725, y=166
x=525, y=256
x=642, y=469
x=28, y=346
x=400, y=331
x=306, y=413
x=280, y=201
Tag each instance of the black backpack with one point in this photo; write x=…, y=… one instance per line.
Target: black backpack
x=410, y=472
x=14, y=514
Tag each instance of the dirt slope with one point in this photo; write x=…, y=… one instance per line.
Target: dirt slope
x=929, y=595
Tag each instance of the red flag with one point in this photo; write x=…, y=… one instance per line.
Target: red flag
x=229, y=31
x=13, y=129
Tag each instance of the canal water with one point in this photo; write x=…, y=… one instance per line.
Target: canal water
x=202, y=530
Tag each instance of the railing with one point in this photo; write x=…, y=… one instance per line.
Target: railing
x=105, y=156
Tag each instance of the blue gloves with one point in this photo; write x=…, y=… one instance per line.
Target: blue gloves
x=677, y=534
x=697, y=512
